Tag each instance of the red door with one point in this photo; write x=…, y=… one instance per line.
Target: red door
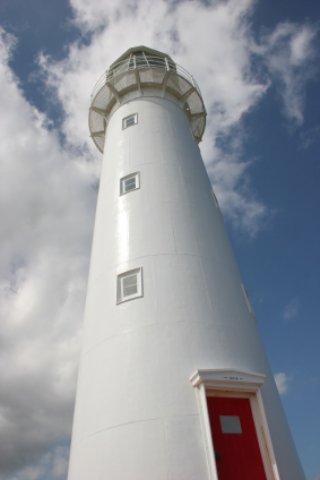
x=236, y=446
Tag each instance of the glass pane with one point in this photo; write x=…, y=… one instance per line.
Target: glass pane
x=130, y=120
x=230, y=424
x=157, y=62
x=141, y=59
x=129, y=285
x=130, y=184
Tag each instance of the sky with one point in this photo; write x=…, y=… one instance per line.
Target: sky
x=256, y=63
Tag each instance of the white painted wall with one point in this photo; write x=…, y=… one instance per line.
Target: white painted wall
x=136, y=415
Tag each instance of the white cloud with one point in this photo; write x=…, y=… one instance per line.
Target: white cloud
x=291, y=310
x=289, y=54
x=282, y=381
x=46, y=208
x=52, y=465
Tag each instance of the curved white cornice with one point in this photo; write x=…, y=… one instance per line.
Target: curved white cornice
x=228, y=379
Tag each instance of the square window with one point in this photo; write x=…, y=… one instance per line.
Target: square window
x=129, y=285
x=129, y=182
x=129, y=121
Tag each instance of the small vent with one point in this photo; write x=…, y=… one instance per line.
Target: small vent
x=129, y=183
x=215, y=199
x=246, y=297
x=129, y=285
x=129, y=121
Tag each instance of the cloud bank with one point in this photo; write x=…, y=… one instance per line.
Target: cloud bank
x=46, y=208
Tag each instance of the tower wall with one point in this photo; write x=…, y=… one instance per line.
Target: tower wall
x=137, y=415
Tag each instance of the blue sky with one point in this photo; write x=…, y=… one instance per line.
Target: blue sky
x=259, y=77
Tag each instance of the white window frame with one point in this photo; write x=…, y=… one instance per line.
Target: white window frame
x=123, y=180
x=120, y=285
x=126, y=120
x=238, y=384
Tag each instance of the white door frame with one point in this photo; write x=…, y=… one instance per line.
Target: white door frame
x=238, y=384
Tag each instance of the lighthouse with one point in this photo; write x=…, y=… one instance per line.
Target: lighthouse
x=174, y=383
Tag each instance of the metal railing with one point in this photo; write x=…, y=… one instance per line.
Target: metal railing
x=136, y=62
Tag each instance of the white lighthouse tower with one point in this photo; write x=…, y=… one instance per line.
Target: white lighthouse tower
x=173, y=381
